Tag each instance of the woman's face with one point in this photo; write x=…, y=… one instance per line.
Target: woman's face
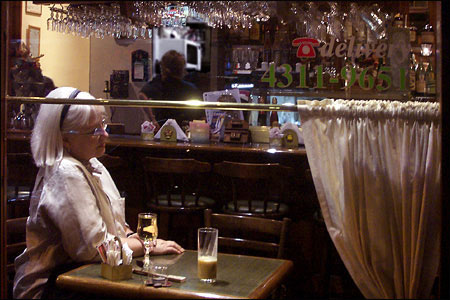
x=83, y=145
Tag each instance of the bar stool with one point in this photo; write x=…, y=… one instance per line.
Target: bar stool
x=254, y=189
x=117, y=168
x=175, y=189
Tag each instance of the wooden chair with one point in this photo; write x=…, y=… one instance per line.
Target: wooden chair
x=21, y=175
x=254, y=189
x=176, y=190
x=249, y=235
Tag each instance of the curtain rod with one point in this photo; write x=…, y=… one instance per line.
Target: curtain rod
x=189, y=104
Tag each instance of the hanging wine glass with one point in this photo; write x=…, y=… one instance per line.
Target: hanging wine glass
x=55, y=22
x=50, y=20
x=61, y=24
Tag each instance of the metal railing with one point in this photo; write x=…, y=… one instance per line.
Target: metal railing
x=189, y=104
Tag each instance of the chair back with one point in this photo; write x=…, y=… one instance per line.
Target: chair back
x=176, y=182
x=249, y=235
x=119, y=170
x=21, y=175
x=176, y=190
x=254, y=189
x=15, y=244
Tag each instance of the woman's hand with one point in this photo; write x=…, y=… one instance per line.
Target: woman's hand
x=166, y=247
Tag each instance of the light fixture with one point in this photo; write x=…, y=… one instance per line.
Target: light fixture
x=426, y=49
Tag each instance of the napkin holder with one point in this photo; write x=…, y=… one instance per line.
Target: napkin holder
x=168, y=134
x=290, y=139
x=117, y=273
x=236, y=131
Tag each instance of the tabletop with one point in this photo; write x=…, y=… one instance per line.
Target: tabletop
x=238, y=276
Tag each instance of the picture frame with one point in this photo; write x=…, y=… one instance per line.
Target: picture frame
x=34, y=40
x=33, y=9
x=418, y=4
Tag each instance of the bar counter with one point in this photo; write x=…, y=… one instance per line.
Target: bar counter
x=131, y=146
x=136, y=141
x=132, y=149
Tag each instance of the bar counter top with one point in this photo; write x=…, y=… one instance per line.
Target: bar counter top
x=135, y=141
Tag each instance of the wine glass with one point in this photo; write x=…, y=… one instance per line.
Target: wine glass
x=148, y=232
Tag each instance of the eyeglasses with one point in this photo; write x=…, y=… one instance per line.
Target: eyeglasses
x=97, y=131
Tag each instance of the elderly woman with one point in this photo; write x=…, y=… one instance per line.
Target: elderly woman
x=75, y=204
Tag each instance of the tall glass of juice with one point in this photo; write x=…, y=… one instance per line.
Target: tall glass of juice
x=207, y=254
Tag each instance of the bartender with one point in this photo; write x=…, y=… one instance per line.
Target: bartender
x=171, y=86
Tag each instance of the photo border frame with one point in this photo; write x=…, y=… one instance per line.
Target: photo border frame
x=33, y=9
x=34, y=40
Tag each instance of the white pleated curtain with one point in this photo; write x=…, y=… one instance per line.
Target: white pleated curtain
x=376, y=170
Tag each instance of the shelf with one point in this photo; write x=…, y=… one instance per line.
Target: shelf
x=311, y=94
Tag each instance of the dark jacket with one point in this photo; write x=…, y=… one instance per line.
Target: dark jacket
x=172, y=89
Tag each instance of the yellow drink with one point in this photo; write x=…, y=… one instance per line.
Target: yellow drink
x=207, y=267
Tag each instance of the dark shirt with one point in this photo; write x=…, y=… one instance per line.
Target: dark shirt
x=172, y=89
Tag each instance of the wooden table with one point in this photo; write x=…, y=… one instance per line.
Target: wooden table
x=238, y=276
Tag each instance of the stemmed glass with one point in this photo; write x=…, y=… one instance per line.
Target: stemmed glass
x=55, y=22
x=51, y=19
x=147, y=230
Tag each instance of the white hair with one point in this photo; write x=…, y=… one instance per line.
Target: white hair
x=46, y=140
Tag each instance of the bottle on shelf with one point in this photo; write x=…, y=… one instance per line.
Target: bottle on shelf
x=382, y=63
x=255, y=31
x=274, y=114
x=106, y=90
x=413, y=35
x=398, y=21
x=427, y=35
x=262, y=115
x=11, y=118
x=20, y=120
x=430, y=80
x=348, y=27
x=345, y=82
x=285, y=47
x=276, y=49
x=412, y=73
x=322, y=29
x=361, y=33
x=228, y=65
x=420, y=80
x=267, y=48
